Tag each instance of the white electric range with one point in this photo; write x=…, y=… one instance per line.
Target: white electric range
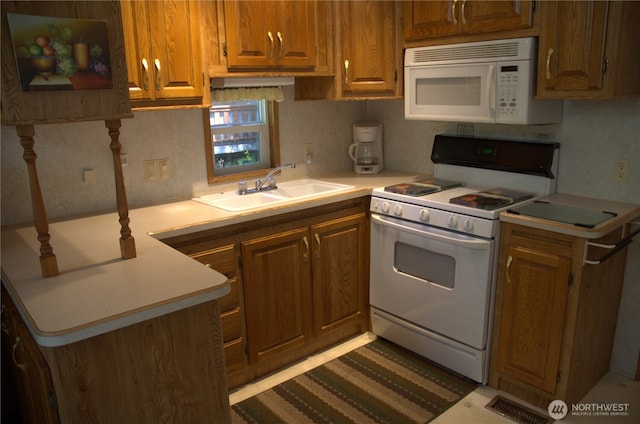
x=434, y=245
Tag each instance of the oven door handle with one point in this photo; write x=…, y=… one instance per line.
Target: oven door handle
x=473, y=243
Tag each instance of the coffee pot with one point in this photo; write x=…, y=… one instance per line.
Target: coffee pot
x=366, y=149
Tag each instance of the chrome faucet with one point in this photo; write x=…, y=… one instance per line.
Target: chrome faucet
x=242, y=187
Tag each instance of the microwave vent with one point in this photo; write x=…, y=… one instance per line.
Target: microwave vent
x=505, y=50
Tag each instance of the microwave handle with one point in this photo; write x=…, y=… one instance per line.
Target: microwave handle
x=491, y=90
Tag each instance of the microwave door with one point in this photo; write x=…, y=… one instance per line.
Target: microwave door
x=451, y=93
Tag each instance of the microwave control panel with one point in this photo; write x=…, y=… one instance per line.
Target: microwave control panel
x=512, y=90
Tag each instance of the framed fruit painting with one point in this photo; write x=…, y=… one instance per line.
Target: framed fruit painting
x=59, y=53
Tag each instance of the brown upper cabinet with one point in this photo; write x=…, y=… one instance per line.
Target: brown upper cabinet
x=268, y=34
x=162, y=43
x=431, y=19
x=587, y=49
x=369, y=49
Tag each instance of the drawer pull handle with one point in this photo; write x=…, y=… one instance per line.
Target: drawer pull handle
x=22, y=367
x=464, y=20
x=346, y=72
x=549, y=54
x=145, y=82
x=281, y=39
x=306, y=245
x=158, y=74
x=453, y=12
x=5, y=329
x=317, y=236
x=509, y=259
x=270, y=35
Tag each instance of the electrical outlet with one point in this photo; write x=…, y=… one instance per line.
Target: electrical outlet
x=621, y=170
x=163, y=165
x=150, y=171
x=308, y=152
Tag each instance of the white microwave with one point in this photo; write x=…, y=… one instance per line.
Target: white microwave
x=488, y=81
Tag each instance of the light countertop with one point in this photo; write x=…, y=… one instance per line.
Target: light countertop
x=625, y=213
x=97, y=292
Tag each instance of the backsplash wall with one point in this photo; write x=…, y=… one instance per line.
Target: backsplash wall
x=592, y=135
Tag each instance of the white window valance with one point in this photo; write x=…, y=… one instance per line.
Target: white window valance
x=219, y=95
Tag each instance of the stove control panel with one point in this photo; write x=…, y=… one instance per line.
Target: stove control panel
x=480, y=227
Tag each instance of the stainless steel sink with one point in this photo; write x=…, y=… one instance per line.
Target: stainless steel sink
x=286, y=191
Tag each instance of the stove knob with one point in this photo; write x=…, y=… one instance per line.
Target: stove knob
x=385, y=207
x=424, y=215
x=397, y=210
x=452, y=221
x=467, y=224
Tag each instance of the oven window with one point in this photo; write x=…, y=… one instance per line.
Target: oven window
x=424, y=264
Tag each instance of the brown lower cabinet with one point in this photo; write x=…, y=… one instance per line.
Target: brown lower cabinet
x=166, y=369
x=555, y=316
x=299, y=284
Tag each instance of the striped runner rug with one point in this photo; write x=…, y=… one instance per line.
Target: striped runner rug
x=376, y=383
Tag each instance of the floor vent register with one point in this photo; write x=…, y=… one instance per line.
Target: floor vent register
x=516, y=412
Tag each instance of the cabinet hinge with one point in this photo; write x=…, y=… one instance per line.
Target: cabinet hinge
x=570, y=279
x=224, y=48
x=605, y=65
x=203, y=79
x=53, y=399
x=240, y=262
x=558, y=377
x=395, y=76
x=534, y=6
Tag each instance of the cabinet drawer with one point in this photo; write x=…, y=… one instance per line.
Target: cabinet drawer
x=222, y=259
x=231, y=325
x=232, y=299
x=234, y=355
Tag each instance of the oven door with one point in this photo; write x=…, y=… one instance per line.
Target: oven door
x=451, y=92
x=435, y=279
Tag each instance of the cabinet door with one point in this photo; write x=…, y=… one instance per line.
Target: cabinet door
x=277, y=292
x=265, y=34
x=340, y=263
x=426, y=19
x=367, y=42
x=176, y=60
x=29, y=370
x=295, y=32
x=135, y=23
x=250, y=40
x=535, y=286
x=162, y=43
x=571, y=51
x=491, y=16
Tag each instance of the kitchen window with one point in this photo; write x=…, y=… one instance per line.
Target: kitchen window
x=241, y=139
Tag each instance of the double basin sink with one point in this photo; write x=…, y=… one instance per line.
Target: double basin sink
x=286, y=191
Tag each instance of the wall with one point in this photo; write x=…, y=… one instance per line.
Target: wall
x=592, y=135
x=65, y=150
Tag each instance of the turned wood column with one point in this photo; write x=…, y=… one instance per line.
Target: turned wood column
x=127, y=242
x=48, y=261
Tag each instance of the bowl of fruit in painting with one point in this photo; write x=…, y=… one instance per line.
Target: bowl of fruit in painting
x=43, y=56
x=43, y=64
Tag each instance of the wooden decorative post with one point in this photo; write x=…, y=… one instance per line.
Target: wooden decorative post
x=127, y=242
x=48, y=261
